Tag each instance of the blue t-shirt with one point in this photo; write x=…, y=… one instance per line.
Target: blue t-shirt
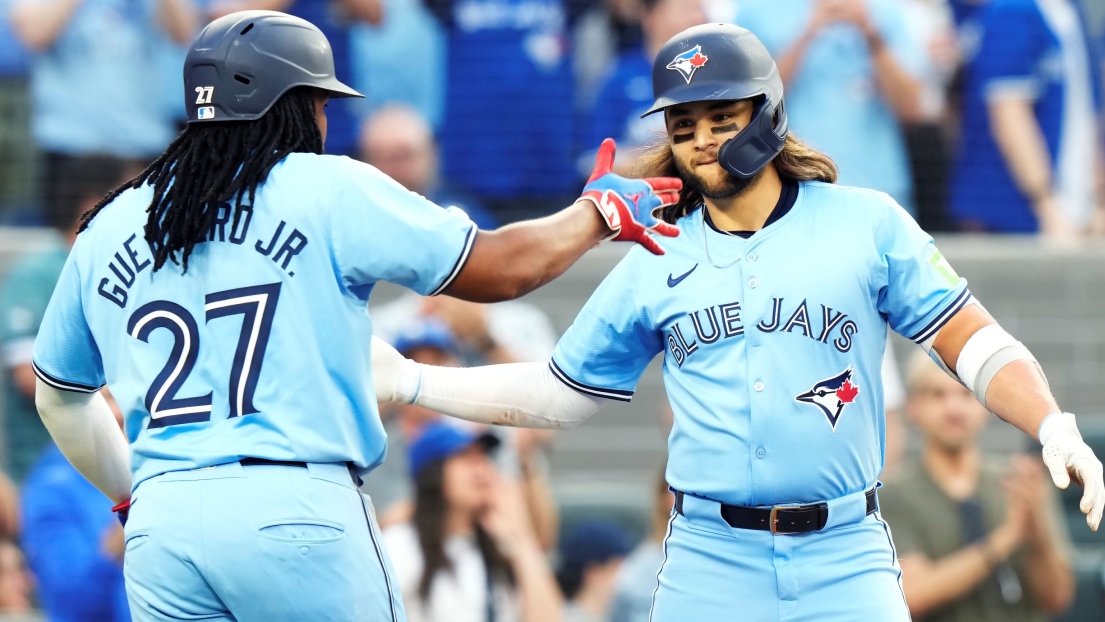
x=772, y=361
x=833, y=100
x=508, y=112
x=624, y=97
x=1022, y=56
x=262, y=347
x=64, y=522
x=377, y=51
x=90, y=89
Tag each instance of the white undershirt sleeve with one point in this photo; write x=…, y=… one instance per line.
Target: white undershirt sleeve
x=85, y=430
x=521, y=395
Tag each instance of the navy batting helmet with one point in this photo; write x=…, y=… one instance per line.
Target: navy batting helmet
x=241, y=64
x=717, y=62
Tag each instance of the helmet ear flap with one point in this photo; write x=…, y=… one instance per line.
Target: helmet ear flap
x=757, y=144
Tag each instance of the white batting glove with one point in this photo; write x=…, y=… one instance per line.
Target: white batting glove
x=1067, y=455
x=396, y=378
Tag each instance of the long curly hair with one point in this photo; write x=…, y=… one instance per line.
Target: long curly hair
x=209, y=164
x=797, y=161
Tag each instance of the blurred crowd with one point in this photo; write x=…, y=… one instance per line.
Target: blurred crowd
x=976, y=115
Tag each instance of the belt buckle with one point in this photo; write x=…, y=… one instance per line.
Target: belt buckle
x=773, y=521
x=774, y=518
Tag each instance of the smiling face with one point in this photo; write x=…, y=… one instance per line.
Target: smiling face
x=696, y=132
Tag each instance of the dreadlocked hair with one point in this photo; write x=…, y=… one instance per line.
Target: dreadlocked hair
x=209, y=164
x=797, y=161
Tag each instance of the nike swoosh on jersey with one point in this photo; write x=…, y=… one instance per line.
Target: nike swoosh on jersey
x=672, y=282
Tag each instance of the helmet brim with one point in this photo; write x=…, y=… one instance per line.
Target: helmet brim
x=707, y=91
x=336, y=89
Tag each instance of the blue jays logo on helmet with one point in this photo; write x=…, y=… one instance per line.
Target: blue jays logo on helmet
x=831, y=395
x=688, y=62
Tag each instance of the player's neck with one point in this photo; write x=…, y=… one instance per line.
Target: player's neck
x=954, y=470
x=749, y=210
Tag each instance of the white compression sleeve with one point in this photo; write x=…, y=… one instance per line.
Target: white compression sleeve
x=522, y=395
x=84, y=429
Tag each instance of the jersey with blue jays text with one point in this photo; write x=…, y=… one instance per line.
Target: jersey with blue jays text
x=772, y=344
x=262, y=347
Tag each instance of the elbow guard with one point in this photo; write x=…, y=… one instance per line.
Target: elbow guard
x=986, y=352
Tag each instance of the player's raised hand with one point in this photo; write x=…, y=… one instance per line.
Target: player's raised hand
x=1068, y=457
x=631, y=207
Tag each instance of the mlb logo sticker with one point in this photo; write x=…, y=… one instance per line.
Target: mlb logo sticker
x=206, y=112
x=688, y=62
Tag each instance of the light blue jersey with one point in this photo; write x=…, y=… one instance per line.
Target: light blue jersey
x=261, y=348
x=772, y=360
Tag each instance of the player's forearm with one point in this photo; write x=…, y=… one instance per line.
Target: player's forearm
x=901, y=89
x=524, y=395
x=38, y=25
x=1022, y=146
x=512, y=261
x=1020, y=396
x=1015, y=390
x=84, y=429
x=1049, y=577
x=521, y=395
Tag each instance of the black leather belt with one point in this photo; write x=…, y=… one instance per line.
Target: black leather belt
x=263, y=462
x=781, y=518
x=292, y=463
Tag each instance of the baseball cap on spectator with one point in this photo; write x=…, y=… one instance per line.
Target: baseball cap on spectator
x=593, y=542
x=426, y=333
x=440, y=441
x=587, y=544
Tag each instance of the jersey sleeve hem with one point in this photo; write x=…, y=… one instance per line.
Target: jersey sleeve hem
x=610, y=394
x=942, y=318
x=64, y=385
x=465, y=253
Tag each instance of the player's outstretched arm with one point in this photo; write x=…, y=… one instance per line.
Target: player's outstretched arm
x=84, y=429
x=517, y=259
x=521, y=395
x=1006, y=378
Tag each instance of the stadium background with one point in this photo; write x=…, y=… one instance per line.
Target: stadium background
x=1049, y=293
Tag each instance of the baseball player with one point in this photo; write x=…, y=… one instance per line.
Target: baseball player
x=221, y=294
x=771, y=310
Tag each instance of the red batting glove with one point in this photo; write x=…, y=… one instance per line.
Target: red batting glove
x=631, y=207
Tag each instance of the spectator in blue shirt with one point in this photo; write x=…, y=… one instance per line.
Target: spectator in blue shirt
x=850, y=68
x=627, y=91
x=508, y=128
x=95, y=76
x=74, y=545
x=388, y=70
x=1030, y=146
